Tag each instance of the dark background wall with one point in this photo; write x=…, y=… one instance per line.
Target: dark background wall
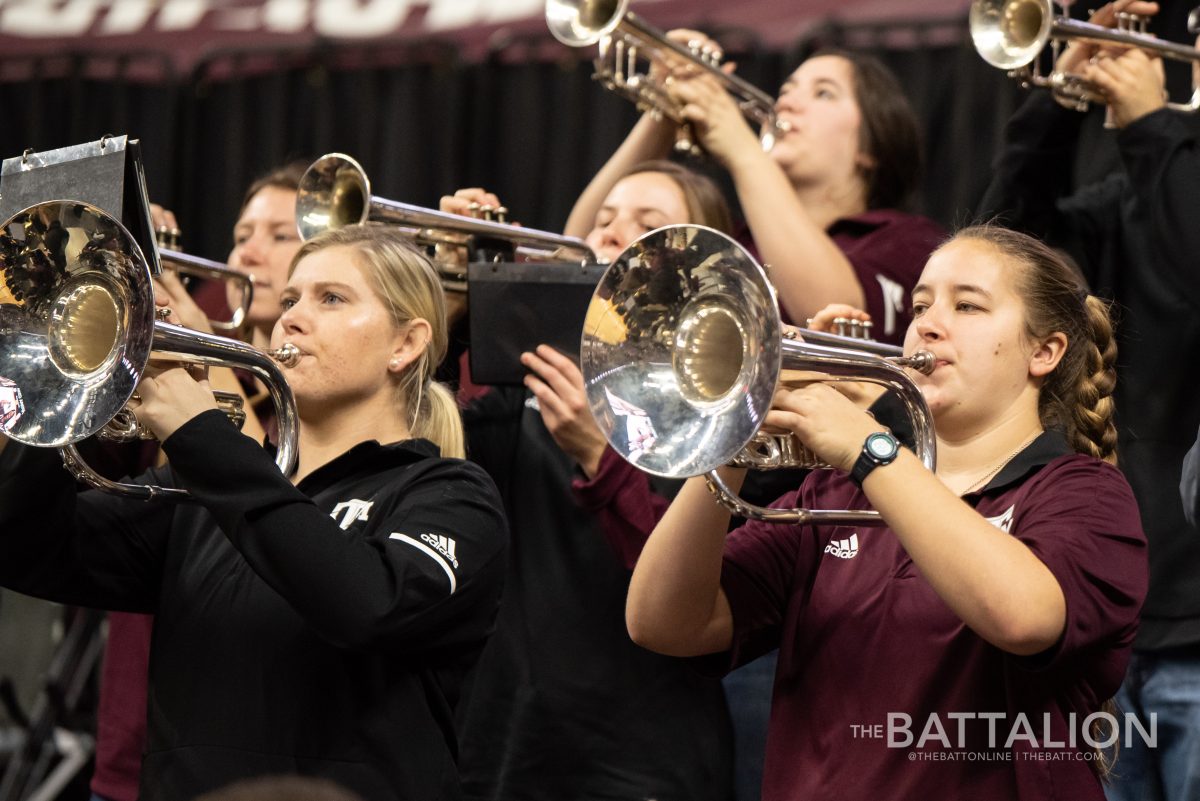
x=423, y=123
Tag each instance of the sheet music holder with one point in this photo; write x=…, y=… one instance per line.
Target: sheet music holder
x=514, y=307
x=106, y=173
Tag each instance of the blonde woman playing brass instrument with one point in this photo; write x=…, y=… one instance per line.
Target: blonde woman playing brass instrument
x=319, y=623
x=1003, y=593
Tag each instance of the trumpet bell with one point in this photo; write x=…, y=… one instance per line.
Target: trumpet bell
x=579, y=23
x=334, y=191
x=76, y=321
x=681, y=347
x=1010, y=33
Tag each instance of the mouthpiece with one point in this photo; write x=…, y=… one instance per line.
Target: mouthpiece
x=288, y=355
x=922, y=361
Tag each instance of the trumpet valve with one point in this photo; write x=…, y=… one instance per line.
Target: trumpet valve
x=1132, y=23
x=167, y=237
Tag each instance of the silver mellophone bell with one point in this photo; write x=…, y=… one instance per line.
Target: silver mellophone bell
x=682, y=351
x=78, y=327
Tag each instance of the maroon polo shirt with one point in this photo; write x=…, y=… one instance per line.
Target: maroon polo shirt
x=888, y=250
x=861, y=634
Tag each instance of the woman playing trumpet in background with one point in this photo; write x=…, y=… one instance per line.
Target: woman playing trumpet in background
x=1007, y=584
x=821, y=205
x=563, y=705
x=318, y=623
x=1133, y=236
x=264, y=242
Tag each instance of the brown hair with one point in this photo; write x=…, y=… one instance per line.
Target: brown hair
x=408, y=284
x=705, y=203
x=1076, y=397
x=286, y=177
x=889, y=134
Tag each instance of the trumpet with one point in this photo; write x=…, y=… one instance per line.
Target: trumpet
x=197, y=267
x=336, y=191
x=624, y=37
x=77, y=329
x=1010, y=35
x=681, y=353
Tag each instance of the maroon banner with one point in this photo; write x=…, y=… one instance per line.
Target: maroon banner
x=183, y=32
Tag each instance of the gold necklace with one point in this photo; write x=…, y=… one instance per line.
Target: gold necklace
x=982, y=481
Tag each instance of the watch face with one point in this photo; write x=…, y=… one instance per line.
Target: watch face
x=881, y=446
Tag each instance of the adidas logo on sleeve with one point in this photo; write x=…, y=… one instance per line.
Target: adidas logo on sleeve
x=843, y=549
x=438, y=547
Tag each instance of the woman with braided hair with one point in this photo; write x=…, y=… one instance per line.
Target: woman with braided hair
x=974, y=641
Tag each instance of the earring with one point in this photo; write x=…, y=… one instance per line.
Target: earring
x=396, y=363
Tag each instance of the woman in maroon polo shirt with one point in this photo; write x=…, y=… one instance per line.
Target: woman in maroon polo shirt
x=972, y=644
x=823, y=205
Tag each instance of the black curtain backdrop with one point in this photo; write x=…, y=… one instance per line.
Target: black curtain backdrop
x=423, y=123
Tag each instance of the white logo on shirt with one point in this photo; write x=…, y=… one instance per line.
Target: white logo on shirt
x=1003, y=521
x=443, y=545
x=354, y=510
x=843, y=549
x=893, y=303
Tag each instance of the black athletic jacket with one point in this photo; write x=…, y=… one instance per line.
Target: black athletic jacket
x=564, y=706
x=322, y=629
x=1134, y=236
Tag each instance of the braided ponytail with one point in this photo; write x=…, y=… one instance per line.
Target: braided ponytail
x=1092, y=429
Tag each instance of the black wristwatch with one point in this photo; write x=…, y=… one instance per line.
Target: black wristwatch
x=879, y=449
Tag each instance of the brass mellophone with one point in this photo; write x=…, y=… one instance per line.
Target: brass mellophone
x=682, y=351
x=78, y=327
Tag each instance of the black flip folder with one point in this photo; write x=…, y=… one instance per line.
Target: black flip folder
x=514, y=307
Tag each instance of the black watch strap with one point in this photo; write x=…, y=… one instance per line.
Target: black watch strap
x=879, y=449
